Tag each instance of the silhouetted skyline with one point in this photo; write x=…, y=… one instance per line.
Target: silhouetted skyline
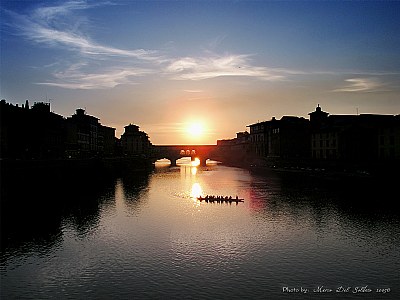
x=224, y=64
x=363, y=142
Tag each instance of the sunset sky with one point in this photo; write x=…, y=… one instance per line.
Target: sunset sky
x=192, y=72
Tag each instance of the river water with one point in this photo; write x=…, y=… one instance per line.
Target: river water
x=146, y=236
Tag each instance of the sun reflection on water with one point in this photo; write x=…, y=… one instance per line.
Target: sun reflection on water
x=196, y=191
x=193, y=170
x=195, y=162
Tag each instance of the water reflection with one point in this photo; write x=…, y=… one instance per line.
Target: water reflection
x=145, y=235
x=35, y=218
x=134, y=186
x=188, y=171
x=354, y=210
x=196, y=191
x=297, y=193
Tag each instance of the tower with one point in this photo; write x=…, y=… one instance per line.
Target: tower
x=318, y=116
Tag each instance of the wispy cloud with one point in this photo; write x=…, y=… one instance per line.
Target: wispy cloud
x=84, y=45
x=75, y=78
x=59, y=27
x=64, y=27
x=193, y=91
x=192, y=68
x=48, y=13
x=42, y=26
x=362, y=85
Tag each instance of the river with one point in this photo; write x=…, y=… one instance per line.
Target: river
x=146, y=236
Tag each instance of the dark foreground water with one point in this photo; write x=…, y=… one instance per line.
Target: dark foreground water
x=145, y=236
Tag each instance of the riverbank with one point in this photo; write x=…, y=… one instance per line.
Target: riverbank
x=371, y=169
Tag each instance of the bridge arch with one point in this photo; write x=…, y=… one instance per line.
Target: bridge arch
x=174, y=152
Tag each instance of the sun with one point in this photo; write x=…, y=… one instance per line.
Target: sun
x=195, y=129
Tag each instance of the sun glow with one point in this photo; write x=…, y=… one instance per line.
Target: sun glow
x=195, y=129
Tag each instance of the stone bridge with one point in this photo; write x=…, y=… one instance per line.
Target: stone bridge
x=174, y=152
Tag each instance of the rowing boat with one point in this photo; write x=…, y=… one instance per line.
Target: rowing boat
x=215, y=199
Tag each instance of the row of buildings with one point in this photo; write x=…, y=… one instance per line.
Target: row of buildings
x=37, y=133
x=323, y=138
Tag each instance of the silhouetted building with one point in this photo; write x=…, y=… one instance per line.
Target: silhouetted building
x=31, y=133
x=134, y=141
x=389, y=139
x=347, y=139
x=324, y=139
x=13, y=130
x=354, y=138
x=82, y=134
x=258, y=137
x=318, y=117
x=107, y=140
x=235, y=150
x=47, y=132
x=37, y=133
x=86, y=137
x=287, y=138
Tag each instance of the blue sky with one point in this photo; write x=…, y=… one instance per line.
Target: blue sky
x=226, y=64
